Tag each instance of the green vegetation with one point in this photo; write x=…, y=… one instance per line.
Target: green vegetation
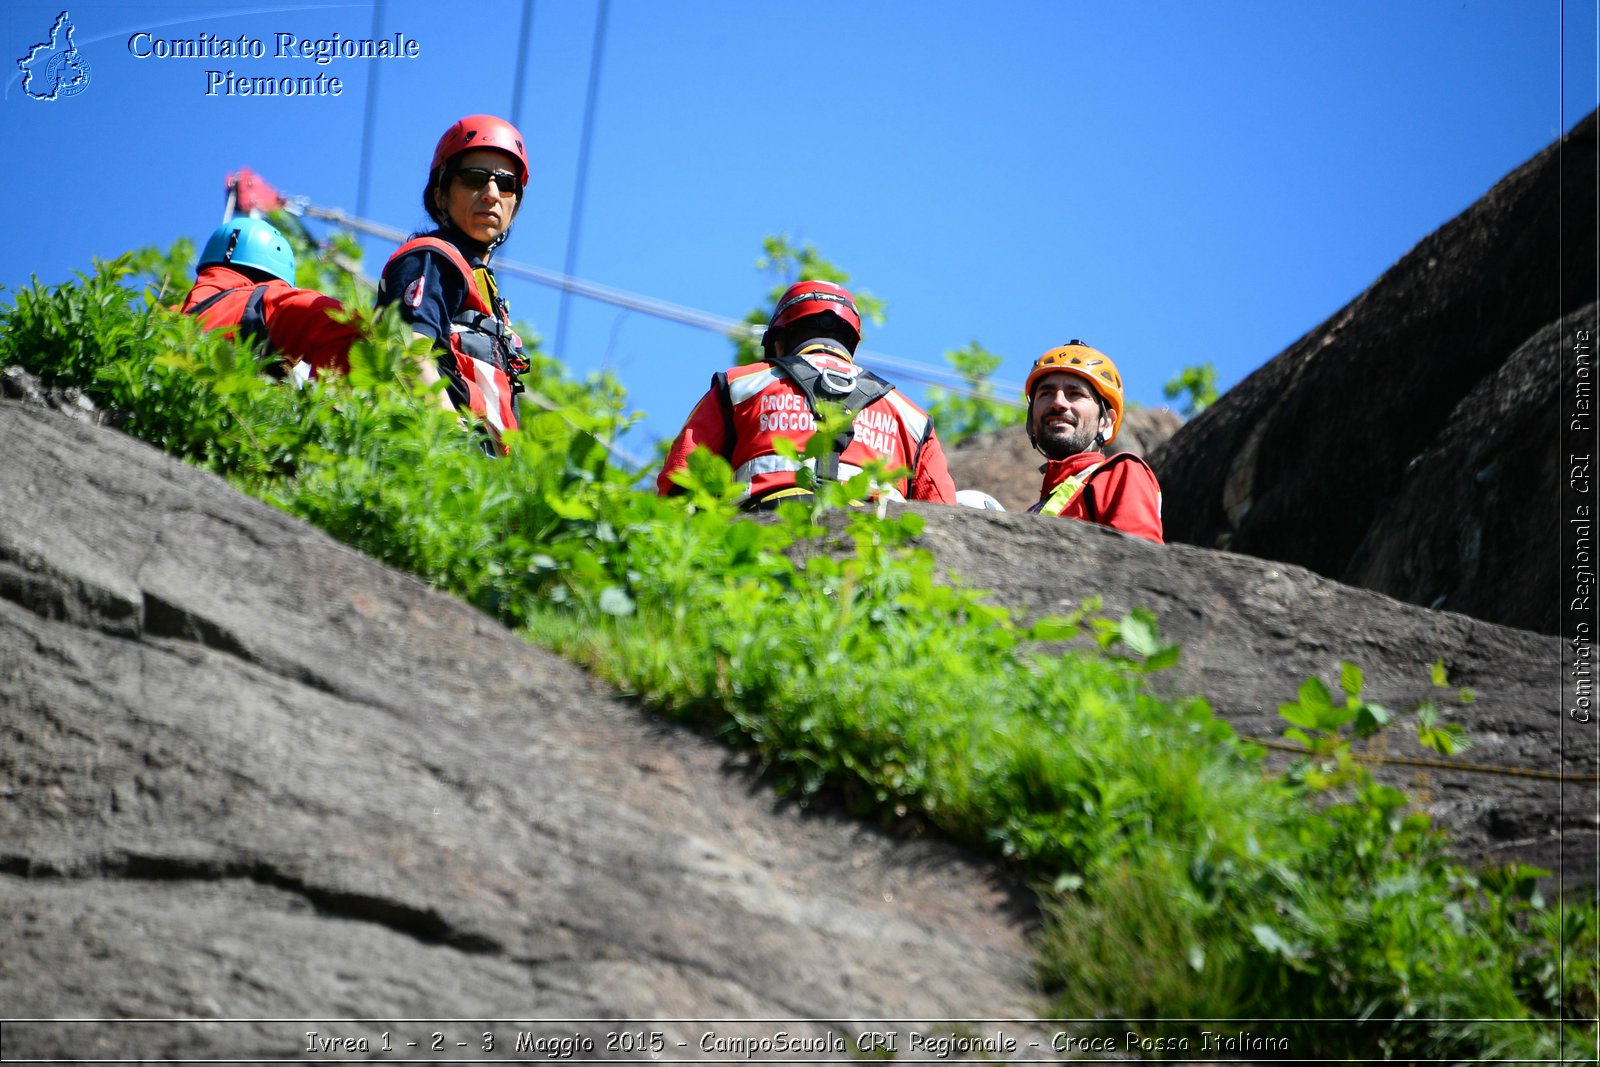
x=1181, y=880
x=959, y=417
x=786, y=264
x=1199, y=382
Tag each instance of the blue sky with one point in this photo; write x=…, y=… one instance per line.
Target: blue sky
x=1173, y=182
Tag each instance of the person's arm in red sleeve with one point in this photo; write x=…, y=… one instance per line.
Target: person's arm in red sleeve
x=932, y=480
x=1128, y=498
x=299, y=323
x=708, y=426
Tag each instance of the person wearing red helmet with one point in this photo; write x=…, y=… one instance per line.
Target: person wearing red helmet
x=1075, y=405
x=441, y=279
x=809, y=349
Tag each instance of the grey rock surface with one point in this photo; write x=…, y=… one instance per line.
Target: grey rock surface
x=1471, y=528
x=1252, y=630
x=247, y=773
x=18, y=384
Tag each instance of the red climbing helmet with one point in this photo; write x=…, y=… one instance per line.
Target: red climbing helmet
x=803, y=299
x=480, y=131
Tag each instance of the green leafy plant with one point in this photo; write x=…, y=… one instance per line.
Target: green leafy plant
x=1198, y=382
x=787, y=264
x=981, y=410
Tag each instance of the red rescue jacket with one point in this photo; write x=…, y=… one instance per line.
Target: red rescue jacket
x=747, y=408
x=1119, y=491
x=486, y=354
x=291, y=322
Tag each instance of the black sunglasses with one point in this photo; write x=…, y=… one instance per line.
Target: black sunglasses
x=475, y=178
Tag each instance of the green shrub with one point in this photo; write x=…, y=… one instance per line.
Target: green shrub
x=979, y=410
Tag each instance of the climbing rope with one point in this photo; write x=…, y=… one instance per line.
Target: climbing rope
x=1435, y=764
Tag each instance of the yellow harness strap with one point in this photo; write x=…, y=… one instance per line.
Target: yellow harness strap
x=1064, y=494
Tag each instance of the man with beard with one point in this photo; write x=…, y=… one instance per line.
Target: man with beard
x=1074, y=411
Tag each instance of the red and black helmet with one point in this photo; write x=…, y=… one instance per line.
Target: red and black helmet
x=480, y=131
x=803, y=299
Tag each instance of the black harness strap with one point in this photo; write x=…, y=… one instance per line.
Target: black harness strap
x=868, y=387
x=205, y=305
x=1090, y=504
x=502, y=346
x=252, y=321
x=724, y=394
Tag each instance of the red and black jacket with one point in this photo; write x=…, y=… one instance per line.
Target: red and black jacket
x=482, y=357
x=282, y=320
x=1119, y=491
x=747, y=408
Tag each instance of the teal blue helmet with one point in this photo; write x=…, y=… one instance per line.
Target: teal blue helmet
x=248, y=242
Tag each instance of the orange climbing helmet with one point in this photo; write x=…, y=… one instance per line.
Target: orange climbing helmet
x=1092, y=365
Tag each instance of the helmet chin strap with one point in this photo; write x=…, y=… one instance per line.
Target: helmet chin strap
x=1100, y=418
x=505, y=233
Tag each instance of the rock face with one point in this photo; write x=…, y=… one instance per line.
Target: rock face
x=248, y=773
x=18, y=384
x=1006, y=467
x=1302, y=460
x=1251, y=631
x=1470, y=529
